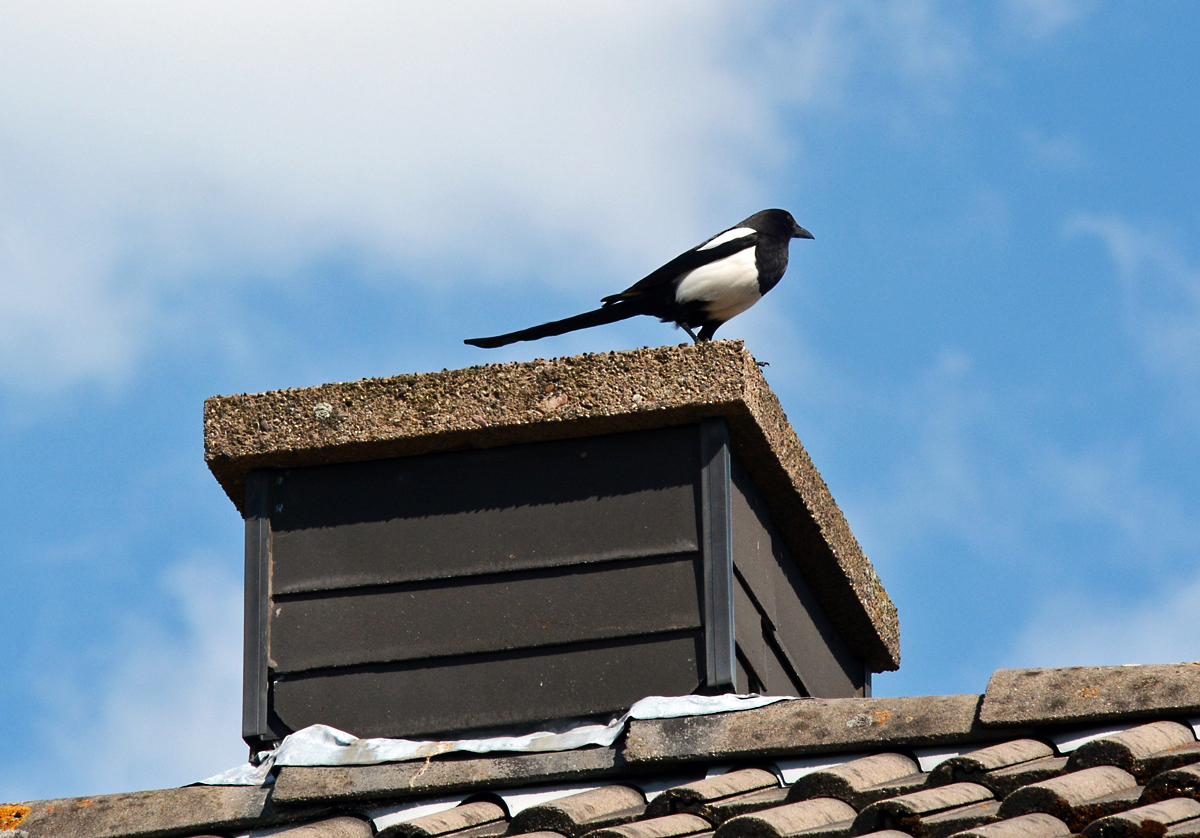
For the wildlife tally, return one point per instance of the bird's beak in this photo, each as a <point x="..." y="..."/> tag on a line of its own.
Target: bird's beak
<point x="801" y="233"/>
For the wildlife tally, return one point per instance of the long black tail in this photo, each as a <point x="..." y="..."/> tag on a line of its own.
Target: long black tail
<point x="608" y="314"/>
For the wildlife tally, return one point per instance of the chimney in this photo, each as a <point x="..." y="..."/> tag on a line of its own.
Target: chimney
<point x="507" y="546"/>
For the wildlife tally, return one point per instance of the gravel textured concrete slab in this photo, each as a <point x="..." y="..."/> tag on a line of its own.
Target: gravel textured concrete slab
<point x="812" y="726"/>
<point x="1091" y="693"/>
<point x="169" y="812"/>
<point x="296" y="786"/>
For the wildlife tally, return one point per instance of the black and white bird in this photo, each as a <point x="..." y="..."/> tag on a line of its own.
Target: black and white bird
<point x="699" y="289"/>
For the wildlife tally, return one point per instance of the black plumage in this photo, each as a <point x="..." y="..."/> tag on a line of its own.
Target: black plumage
<point x="700" y="289"/>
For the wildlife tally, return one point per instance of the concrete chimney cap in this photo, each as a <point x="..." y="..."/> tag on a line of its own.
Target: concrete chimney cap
<point x="565" y="398"/>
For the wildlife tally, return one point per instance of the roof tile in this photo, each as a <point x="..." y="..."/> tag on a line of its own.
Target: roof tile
<point x="1035" y="825"/>
<point x="1003" y="781"/>
<point x="954" y="821"/>
<point x="1129" y="748"/>
<point x="722" y="810"/>
<point x="670" y="826"/>
<point x="971" y="767"/>
<point x="1166" y="760"/>
<point x="722" y="797"/>
<point x="1185" y="829"/>
<point x="691" y="796"/>
<point x="342" y="827"/>
<point x="907" y="811"/>
<point x="789" y="819"/>
<point x="1073" y="798"/>
<point x="1110" y="804"/>
<point x="578" y="814"/>
<point x="1144" y="821"/>
<point x="1178" y="782"/>
<point x="470" y="820"/>
<point x="850" y="781"/>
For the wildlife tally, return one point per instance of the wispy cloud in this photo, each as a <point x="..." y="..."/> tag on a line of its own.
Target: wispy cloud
<point x="167" y="710"/>
<point x="1072" y="630"/>
<point x="1043" y="18"/>
<point x="1160" y="292"/>
<point x="157" y="157"/>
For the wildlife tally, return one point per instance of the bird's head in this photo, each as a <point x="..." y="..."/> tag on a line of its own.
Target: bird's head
<point x="776" y="222"/>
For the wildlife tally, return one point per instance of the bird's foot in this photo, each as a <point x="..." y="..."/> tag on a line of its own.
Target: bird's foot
<point x="763" y="363"/>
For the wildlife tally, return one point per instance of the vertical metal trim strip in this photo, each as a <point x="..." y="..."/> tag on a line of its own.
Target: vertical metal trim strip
<point x="255" y="672"/>
<point x="716" y="511"/>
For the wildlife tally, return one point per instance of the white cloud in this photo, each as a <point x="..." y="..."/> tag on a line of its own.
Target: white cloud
<point x="1055" y="151"/>
<point x="167" y="711"/>
<point x="149" y="146"/>
<point x="1160" y="290"/>
<point x="1043" y="18"/>
<point x="154" y="155"/>
<point x="1072" y="630"/>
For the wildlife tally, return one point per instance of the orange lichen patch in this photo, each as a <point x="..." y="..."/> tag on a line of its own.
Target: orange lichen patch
<point x="881" y="716"/>
<point x="83" y="804"/>
<point x="1087" y="692"/>
<point x="11" y="816"/>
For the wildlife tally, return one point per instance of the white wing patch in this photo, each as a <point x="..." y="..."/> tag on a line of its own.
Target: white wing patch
<point x="729" y="285"/>
<point x="727" y="236"/>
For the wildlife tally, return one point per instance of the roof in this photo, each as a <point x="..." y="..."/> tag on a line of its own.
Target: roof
<point x="564" y="398"/>
<point x="1109" y="752"/>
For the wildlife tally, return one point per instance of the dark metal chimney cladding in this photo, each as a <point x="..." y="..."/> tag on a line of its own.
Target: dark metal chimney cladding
<point x="503" y="547"/>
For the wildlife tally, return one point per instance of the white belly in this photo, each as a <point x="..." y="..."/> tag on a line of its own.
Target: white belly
<point x="729" y="286"/>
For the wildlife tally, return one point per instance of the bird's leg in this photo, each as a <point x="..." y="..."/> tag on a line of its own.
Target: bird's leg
<point x="691" y="334"/>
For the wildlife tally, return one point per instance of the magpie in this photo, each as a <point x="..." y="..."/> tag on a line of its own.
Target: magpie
<point x="701" y="288"/>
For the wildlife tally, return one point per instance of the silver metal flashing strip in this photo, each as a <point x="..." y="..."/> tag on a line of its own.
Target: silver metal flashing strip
<point x="716" y="510"/>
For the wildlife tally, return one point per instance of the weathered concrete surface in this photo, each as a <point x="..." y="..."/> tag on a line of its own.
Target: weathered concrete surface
<point x="1090" y="693"/>
<point x="298" y="786"/>
<point x="158" y="814"/>
<point x="584" y="395"/>
<point x="813" y="725"/>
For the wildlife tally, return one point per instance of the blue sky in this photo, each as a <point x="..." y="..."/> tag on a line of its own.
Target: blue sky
<point x="991" y="349"/>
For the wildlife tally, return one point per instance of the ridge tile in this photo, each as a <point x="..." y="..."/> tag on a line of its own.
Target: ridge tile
<point x="1090" y="693"/>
